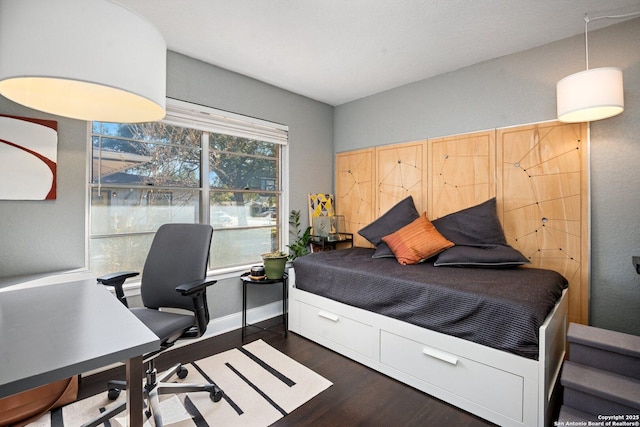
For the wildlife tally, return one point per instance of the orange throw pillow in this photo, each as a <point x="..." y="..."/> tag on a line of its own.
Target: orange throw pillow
<point x="416" y="241"/>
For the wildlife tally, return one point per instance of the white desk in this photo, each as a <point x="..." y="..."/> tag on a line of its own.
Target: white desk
<point x="55" y="331"/>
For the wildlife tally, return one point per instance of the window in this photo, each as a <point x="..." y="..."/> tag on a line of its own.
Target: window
<point x="197" y="165"/>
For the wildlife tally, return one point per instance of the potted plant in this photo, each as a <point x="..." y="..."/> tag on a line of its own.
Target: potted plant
<point x="300" y="245"/>
<point x="274" y="264"/>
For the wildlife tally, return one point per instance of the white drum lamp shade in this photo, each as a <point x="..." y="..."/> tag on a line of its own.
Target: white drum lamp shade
<point x="590" y="95"/>
<point x="84" y="59"/>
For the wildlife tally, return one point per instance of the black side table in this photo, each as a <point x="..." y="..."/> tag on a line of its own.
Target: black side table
<point x="331" y="242"/>
<point x="246" y="280"/>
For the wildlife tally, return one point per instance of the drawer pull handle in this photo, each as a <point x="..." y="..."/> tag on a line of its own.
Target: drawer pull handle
<point x="440" y="355"/>
<point x="329" y="316"/>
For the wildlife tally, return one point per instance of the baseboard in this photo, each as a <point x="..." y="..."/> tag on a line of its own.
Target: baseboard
<point x="233" y="321"/>
<point x="219" y="326"/>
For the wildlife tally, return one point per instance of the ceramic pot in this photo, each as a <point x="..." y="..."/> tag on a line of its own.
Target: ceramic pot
<point x="274" y="266"/>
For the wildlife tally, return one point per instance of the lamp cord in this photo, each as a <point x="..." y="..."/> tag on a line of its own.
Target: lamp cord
<point x="586" y="28"/>
<point x="586" y="41"/>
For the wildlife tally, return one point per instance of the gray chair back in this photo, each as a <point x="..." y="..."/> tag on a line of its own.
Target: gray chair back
<point x="179" y="254"/>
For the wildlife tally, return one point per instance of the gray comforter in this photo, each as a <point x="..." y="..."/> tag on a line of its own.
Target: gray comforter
<point x="499" y="308"/>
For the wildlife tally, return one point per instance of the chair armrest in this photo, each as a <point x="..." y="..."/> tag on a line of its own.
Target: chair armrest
<point x="113" y="278"/>
<point x="192" y="288"/>
<point x="197" y="290"/>
<point x="117" y="280"/>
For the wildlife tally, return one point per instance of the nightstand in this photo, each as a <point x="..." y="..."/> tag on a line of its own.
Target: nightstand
<point x="248" y="282"/>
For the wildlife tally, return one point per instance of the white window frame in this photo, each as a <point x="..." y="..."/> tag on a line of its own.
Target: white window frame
<point x="185" y="114"/>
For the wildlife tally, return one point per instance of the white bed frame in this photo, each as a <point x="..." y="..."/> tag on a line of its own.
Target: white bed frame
<point x="501" y="387"/>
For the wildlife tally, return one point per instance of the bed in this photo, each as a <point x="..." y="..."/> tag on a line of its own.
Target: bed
<point x="488" y="340"/>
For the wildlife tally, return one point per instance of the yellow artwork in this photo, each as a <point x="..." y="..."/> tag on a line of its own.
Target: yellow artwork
<point x="320" y="205"/>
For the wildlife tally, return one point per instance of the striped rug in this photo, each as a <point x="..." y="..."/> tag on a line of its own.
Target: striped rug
<point x="261" y="385"/>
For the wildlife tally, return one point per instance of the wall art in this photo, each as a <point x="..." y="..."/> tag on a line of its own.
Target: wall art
<point x="28" y="158"/>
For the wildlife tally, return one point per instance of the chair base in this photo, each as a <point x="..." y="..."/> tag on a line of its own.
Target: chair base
<point x="152" y="391"/>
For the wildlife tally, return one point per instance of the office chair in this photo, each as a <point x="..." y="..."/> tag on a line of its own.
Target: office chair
<point x="173" y="277"/>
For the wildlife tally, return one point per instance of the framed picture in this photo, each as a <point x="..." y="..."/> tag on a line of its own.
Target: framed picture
<point x="28" y="158"/>
<point x="320" y="205"/>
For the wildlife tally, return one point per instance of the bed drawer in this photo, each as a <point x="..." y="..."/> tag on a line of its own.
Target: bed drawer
<point x="338" y="328"/>
<point x="492" y="388"/>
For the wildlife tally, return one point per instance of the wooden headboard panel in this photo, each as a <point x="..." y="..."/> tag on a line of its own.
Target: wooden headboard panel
<point x="538" y="173"/>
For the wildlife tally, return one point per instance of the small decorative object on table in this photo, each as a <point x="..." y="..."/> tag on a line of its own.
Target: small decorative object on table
<point x="337" y="228"/>
<point x="274" y="264"/>
<point x="257" y="273"/>
<point x="321" y="209"/>
<point x="322" y="225"/>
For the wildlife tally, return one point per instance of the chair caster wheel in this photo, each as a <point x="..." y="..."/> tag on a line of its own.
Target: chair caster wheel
<point x="216" y="395"/>
<point x="182" y="372"/>
<point x="113" y="393"/>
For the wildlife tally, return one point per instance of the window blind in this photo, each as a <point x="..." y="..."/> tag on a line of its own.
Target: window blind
<point x="218" y="121"/>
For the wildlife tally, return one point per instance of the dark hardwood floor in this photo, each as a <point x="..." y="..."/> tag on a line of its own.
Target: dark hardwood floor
<point x="359" y="396"/>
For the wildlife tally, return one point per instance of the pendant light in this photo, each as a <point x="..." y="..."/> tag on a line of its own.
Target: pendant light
<point x="593" y="94"/>
<point x="84" y="59"/>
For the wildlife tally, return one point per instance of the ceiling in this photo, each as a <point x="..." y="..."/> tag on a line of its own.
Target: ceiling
<point x="336" y="51"/>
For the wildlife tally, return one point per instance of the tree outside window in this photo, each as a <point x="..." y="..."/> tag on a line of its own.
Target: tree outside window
<point x="148" y="174"/>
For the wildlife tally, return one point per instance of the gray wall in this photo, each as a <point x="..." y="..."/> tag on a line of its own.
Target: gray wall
<point x="43" y="236"/>
<point x="310" y="143"/>
<point x="520" y="89"/>
<point x="516" y="89"/>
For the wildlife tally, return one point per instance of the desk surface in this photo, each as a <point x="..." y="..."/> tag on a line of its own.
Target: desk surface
<point x="55" y="331"/>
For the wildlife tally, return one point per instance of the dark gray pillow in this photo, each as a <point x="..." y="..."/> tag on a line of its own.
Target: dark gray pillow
<point x="475" y="226"/>
<point x="497" y="256"/>
<point x="383" y="251"/>
<point x="402" y="213"/>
